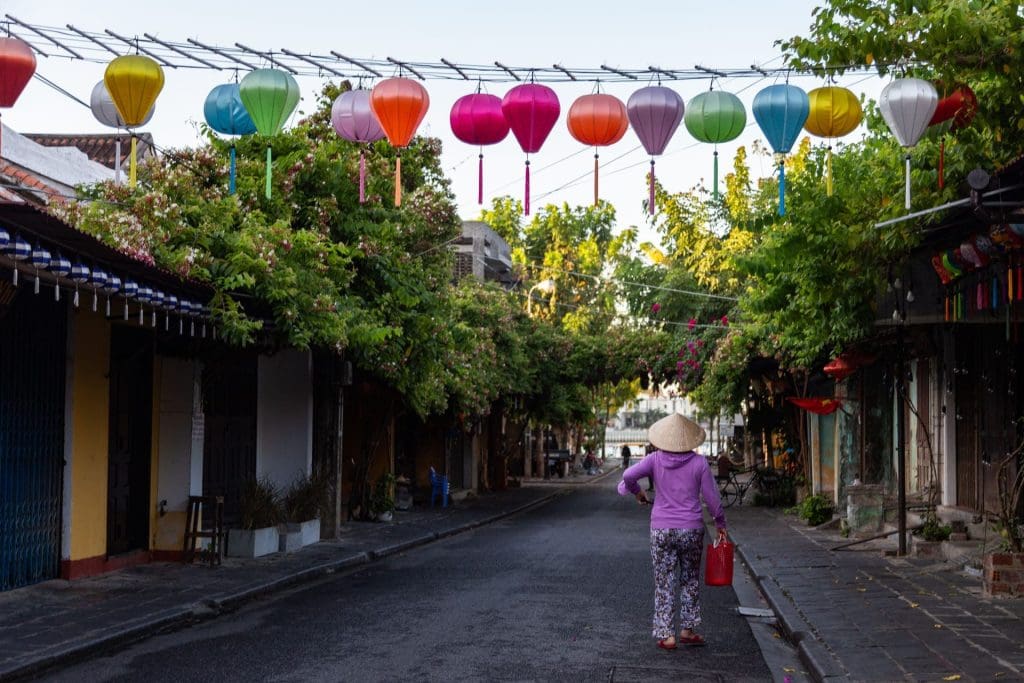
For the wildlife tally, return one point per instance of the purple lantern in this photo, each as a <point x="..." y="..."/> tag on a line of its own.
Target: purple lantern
<point x="477" y="119"/>
<point x="354" y="120"/>
<point x="655" y="113"/>
<point x="531" y="110"/>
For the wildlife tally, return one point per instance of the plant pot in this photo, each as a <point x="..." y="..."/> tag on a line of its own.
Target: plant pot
<point x="290" y="538"/>
<point x="252" y="542"/>
<point x="310" y="532"/>
<point x="385" y="516"/>
<point x="1003" y="575"/>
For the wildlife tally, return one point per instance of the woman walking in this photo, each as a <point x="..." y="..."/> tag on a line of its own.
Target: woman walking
<point x="677" y="525"/>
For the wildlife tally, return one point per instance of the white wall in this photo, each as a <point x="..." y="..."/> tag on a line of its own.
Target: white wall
<point x="174" y="473"/>
<point x="284" y="416"/>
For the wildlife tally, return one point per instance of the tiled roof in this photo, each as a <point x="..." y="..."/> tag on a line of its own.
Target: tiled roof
<point x="29" y="181"/>
<point x="101" y="148"/>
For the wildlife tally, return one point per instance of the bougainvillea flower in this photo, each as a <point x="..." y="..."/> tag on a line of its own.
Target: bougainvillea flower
<point x="655" y="308"/>
<point x="725" y="320"/>
<point x="692" y="324"/>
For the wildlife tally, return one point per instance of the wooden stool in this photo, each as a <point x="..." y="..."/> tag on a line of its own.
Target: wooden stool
<point x="197" y="527"/>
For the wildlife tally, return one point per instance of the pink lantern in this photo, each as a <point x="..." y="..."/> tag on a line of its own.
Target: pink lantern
<point x="354" y="120"/>
<point x="477" y="120"/>
<point x="531" y="110"/>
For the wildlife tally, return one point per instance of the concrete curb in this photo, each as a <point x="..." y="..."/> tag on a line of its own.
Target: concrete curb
<point x="178" y="617"/>
<point x="821" y="664"/>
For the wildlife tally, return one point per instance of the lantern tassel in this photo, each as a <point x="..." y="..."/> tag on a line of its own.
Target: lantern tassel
<point x="126" y="308"/>
<point x="117" y="160"/>
<point x="108" y="306"/>
<point x="946" y="305"/>
<point x="132" y="162"/>
<point x="828" y="172"/>
<point x="56" y="291"/>
<point x="14" y="277"/>
<point x="596" y="164"/>
<point x="362" y="176"/>
<point x="269" y="161"/>
<point x="907" y="190"/>
<point x="398" y="180"/>
<point x="35" y="289"/>
<point x="526" y="191"/>
<point x="232" y="171"/>
<point x="95" y="300"/>
<point x="714" y="191"/>
<point x="650" y="200"/>
<point x="942" y="162"/>
<point x="782" y="186"/>
<point x="480" y="180"/>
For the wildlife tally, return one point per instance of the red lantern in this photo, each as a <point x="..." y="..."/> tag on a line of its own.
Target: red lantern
<point x="477" y="120"/>
<point x="17" y="65"/>
<point x="839" y="368"/>
<point x="531" y="110"/>
<point x="399" y="105"/>
<point x="956" y="110"/>
<point x="599" y="120"/>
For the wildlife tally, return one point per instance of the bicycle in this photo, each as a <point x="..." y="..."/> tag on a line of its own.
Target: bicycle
<point x="732" y="489"/>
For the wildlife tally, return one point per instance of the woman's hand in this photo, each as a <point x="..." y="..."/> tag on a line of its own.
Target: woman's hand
<point x="723" y="536"/>
<point x="642" y="498"/>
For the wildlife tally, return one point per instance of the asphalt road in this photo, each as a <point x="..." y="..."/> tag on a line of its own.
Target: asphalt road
<point x="561" y="592"/>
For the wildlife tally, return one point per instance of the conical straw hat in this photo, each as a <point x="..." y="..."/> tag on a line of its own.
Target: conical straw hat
<point x="676" y="434"/>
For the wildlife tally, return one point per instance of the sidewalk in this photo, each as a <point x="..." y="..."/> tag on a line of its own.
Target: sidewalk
<point x="58" y="621"/>
<point x="858" y="615"/>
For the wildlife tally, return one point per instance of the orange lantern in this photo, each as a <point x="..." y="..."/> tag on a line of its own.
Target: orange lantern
<point x="399" y="105"/>
<point x="599" y="120"/>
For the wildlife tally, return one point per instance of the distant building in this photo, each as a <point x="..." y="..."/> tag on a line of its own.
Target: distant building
<point x="101" y="148"/>
<point x="482" y="253"/>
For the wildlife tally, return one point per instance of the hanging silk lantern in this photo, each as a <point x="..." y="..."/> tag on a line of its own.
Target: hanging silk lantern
<point x="399" y="105"/>
<point x="60" y="267"/>
<point x="112" y="287"/>
<point x="270" y="96"/>
<point x="144" y="296"/>
<point x="80" y="276"/>
<point x="477" y="119"/>
<point x="531" y="110"/>
<point x="5" y="238"/>
<point x="353" y="119"/>
<point x="715" y="117"/>
<point x="97" y="280"/>
<point x="780" y="111"/>
<point x="953" y="112"/>
<point x="157" y="300"/>
<point x="655" y="113"/>
<point x="225" y="113"/>
<point x="40" y="261"/>
<point x="907" y="105"/>
<point x="130" y="289"/>
<point x="171" y="306"/>
<point x="17" y="66"/>
<point x="134" y="82"/>
<point x="834" y="112"/>
<point x="105" y="111"/>
<point x="17" y="249"/>
<point x="598" y="120"/>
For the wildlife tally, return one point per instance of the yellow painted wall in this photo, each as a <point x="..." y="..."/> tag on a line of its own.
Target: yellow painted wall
<point x="90" y="407"/>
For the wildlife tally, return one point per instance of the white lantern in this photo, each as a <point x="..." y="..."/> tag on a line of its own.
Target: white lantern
<point x="907" y="105"/>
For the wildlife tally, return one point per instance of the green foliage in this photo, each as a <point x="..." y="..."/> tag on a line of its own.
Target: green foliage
<point x="382" y="499"/>
<point x="932" y="530"/>
<point x="816" y="509"/>
<point x="260" y="505"/>
<point x="308" y="497"/>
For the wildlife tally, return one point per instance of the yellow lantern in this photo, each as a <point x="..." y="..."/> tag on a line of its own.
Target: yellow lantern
<point x="835" y="112"/>
<point x="134" y="82"/>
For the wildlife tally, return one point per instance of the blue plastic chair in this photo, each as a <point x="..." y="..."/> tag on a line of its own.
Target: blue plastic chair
<point x="438" y="486"/>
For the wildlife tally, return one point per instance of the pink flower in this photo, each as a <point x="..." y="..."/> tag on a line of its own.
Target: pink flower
<point x="692" y="324"/>
<point x="725" y="320"/>
<point x="655" y="308"/>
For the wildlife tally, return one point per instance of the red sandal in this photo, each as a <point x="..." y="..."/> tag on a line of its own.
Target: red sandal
<point x="696" y="639"/>
<point x="666" y="646"/>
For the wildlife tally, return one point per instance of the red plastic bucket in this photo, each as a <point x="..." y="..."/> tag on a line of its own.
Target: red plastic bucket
<point x="718" y="570"/>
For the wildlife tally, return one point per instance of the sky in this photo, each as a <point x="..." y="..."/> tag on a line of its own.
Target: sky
<point x="678" y="34"/>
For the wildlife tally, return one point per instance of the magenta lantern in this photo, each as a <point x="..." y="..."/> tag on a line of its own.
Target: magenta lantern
<point x="354" y="120"/>
<point x="477" y="120"/>
<point x="531" y="110"/>
<point x="655" y="113"/>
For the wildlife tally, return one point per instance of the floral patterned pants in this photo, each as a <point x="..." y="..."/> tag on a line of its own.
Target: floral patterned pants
<point x="675" y="554"/>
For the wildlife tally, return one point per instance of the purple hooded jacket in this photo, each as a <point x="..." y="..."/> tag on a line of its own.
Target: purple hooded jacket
<point x="680" y="481"/>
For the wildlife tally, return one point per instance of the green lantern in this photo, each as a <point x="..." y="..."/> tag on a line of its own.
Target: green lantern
<point x="714" y="117"/>
<point x="270" y="96"/>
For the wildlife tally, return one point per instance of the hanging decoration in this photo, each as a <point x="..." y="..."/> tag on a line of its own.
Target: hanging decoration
<point x="97" y="280"/>
<point x="17" y="66"/>
<point x="531" y="110"/>
<point x="598" y="120"/>
<point x="130" y="291"/>
<point x="952" y="113"/>
<point x="715" y="117"/>
<point x="144" y="296"/>
<point x="655" y="113"/>
<point x="134" y="82"/>
<point x="907" y="105"/>
<point x="399" y="105"/>
<point x="112" y="287"/>
<point x="270" y="96"/>
<point x="225" y="113"/>
<point x="5" y="238"/>
<point x="170" y="306"/>
<point x="105" y="111"/>
<point x="477" y="119"/>
<point x="80" y="276"/>
<point x="40" y="261"/>
<point x="781" y="111"/>
<point x="818" y="406"/>
<point x="61" y="268"/>
<point x="353" y="119"/>
<point x="17" y="249"/>
<point x="834" y="112"/>
<point x="158" y="302"/>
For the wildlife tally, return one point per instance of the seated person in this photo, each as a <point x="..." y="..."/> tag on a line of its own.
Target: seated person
<point x="589" y="464"/>
<point x="725" y="466"/>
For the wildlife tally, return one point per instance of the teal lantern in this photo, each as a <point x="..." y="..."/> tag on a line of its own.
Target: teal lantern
<point x="781" y="111"/>
<point x="226" y="114"/>
<point x="715" y="116"/>
<point x="270" y="96"/>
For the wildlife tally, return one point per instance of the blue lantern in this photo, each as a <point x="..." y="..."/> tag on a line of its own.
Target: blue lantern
<point x="112" y="287"/>
<point x="226" y="114"/>
<point x="144" y="296"/>
<point x="98" y="280"/>
<point x="19" y="250"/>
<point x="130" y="289"/>
<point x="80" y="276"/>
<point x="5" y="238"/>
<point x="781" y="111"/>
<point x="40" y="259"/>
<point x="60" y="267"/>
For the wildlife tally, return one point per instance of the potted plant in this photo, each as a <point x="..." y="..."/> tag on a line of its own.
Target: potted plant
<point x="261" y="512"/>
<point x="1004" y="567"/>
<point x="382" y="501"/>
<point x="927" y="541"/>
<point x="305" y="501"/>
